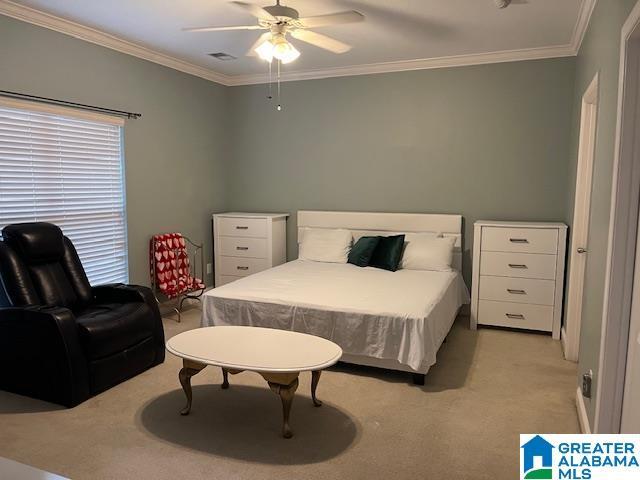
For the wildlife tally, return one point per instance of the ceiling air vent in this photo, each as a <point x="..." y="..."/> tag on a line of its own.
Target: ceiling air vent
<point x="222" y="56"/>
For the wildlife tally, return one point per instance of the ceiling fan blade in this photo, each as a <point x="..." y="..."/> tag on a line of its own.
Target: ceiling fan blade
<point x="331" y="19"/>
<point x="261" y="39"/>
<point x="255" y="10"/>
<point x="321" y="41"/>
<point x="221" y="29"/>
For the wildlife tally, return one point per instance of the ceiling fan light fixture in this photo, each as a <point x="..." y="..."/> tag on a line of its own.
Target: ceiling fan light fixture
<point x="265" y="51"/>
<point x="286" y="55"/>
<point x="283" y="50"/>
<point x="278" y="47"/>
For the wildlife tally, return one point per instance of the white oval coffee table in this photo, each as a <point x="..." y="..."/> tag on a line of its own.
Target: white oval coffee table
<point x="278" y="355"/>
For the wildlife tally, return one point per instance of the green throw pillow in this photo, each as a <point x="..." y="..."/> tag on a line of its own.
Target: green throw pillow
<point x="362" y="251"/>
<point x="388" y="253"/>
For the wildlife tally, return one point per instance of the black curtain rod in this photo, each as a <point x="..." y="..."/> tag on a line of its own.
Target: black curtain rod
<point x="64" y="103"/>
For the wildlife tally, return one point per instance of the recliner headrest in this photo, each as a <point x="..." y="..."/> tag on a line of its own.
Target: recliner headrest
<point x="35" y="242"/>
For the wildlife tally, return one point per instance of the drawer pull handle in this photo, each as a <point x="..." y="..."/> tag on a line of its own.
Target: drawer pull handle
<point x="241" y="227"/>
<point x="242" y="248"/>
<point x="518" y="240"/>
<point x="517" y="265"/>
<point x="516" y="291"/>
<point x="242" y="268"/>
<point x="515" y="316"/>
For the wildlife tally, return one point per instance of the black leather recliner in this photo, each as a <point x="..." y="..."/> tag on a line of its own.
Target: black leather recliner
<point x="62" y="340"/>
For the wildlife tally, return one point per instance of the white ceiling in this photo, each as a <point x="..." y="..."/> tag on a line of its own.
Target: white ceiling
<point x="398" y="31"/>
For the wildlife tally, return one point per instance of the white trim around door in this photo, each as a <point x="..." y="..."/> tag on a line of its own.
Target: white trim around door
<point x="583" y="419"/>
<point x="581" y="214"/>
<point x="622" y="236"/>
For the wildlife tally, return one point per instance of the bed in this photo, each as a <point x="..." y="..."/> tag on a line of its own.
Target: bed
<point x="393" y="320"/>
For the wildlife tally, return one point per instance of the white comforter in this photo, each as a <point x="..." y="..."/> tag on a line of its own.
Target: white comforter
<point x="403" y="315"/>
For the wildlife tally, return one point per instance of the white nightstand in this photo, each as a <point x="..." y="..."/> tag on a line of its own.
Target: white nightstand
<point x="247" y="243"/>
<point x="518" y="275"/>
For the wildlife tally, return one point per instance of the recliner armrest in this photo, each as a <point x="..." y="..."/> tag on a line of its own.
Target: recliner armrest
<point x="117" y="293"/>
<point x="41" y="354"/>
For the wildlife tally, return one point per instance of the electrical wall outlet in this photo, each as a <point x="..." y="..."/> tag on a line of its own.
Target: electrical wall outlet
<point x="586" y="384"/>
<point x="208" y="269"/>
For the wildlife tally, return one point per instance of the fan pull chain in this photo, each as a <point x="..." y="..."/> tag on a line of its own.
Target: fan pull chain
<point x="269" y="94"/>
<point x="279" y="107"/>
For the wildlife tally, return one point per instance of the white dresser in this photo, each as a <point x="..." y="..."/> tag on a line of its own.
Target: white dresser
<point x="247" y="243"/>
<point x="518" y="275"/>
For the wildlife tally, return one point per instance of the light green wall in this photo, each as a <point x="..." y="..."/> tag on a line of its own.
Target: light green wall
<point x="485" y="141"/>
<point x="488" y="142"/>
<point x="600" y="52"/>
<point x="175" y="155"/>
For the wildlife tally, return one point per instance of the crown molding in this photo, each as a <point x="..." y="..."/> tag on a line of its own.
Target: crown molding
<point x="88" y="34"/>
<point x="580" y="28"/>
<point x="58" y="24"/>
<point x="420" y="64"/>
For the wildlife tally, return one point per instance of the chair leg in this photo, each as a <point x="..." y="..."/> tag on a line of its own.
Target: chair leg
<point x="179" y="310"/>
<point x="181" y="302"/>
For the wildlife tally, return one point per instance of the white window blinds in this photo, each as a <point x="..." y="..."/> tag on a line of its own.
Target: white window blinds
<point x="65" y="167"/>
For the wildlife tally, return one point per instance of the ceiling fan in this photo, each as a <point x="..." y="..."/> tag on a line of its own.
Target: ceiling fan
<point x="280" y="20"/>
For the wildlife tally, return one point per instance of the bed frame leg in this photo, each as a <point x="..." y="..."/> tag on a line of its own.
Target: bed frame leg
<point x="418" y="378"/>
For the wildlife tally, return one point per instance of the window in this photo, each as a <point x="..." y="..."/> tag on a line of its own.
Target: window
<point x="65" y="167"/>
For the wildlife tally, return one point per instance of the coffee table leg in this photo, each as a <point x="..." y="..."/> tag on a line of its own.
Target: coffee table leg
<point x="286" y="393"/>
<point x="225" y="379"/>
<point x="189" y="369"/>
<point x="315" y="378"/>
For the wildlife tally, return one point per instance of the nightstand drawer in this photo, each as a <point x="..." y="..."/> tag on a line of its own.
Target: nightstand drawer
<point x="242" y="227"/>
<point x="522" y="240"/>
<point x="243" y="247"/>
<point x="241" y="267"/>
<point x="523" y="265"/>
<point x="515" y="315"/>
<point x="517" y="290"/>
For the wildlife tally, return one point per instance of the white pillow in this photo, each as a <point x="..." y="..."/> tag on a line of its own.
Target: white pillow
<point x="325" y="245"/>
<point x="428" y="252"/>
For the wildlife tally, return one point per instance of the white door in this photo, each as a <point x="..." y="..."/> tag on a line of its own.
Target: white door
<point x="619" y="339"/>
<point x="580" y="227"/>
<point x="630" y="421"/>
<point x="631" y="401"/>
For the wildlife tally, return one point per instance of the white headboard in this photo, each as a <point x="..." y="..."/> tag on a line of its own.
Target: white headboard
<point x="369" y="223"/>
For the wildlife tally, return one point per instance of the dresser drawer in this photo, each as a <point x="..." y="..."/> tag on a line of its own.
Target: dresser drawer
<point x="522" y="240"/>
<point x="517" y="290"/>
<point x="242" y="227"/>
<point x="524" y="265"/>
<point x="241" y="267"/>
<point x="243" y="247"/>
<point x="515" y="315"/>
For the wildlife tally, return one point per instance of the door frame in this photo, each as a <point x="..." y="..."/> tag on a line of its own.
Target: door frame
<point x="623" y="226"/>
<point x="581" y="211"/>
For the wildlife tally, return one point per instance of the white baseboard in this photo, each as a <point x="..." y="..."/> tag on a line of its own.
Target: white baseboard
<point x="583" y="419"/>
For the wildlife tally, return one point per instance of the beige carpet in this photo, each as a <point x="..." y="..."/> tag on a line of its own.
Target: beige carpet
<point x="487" y="387"/>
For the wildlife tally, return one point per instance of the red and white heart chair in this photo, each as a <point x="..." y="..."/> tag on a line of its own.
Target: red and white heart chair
<point x="172" y="272"/>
